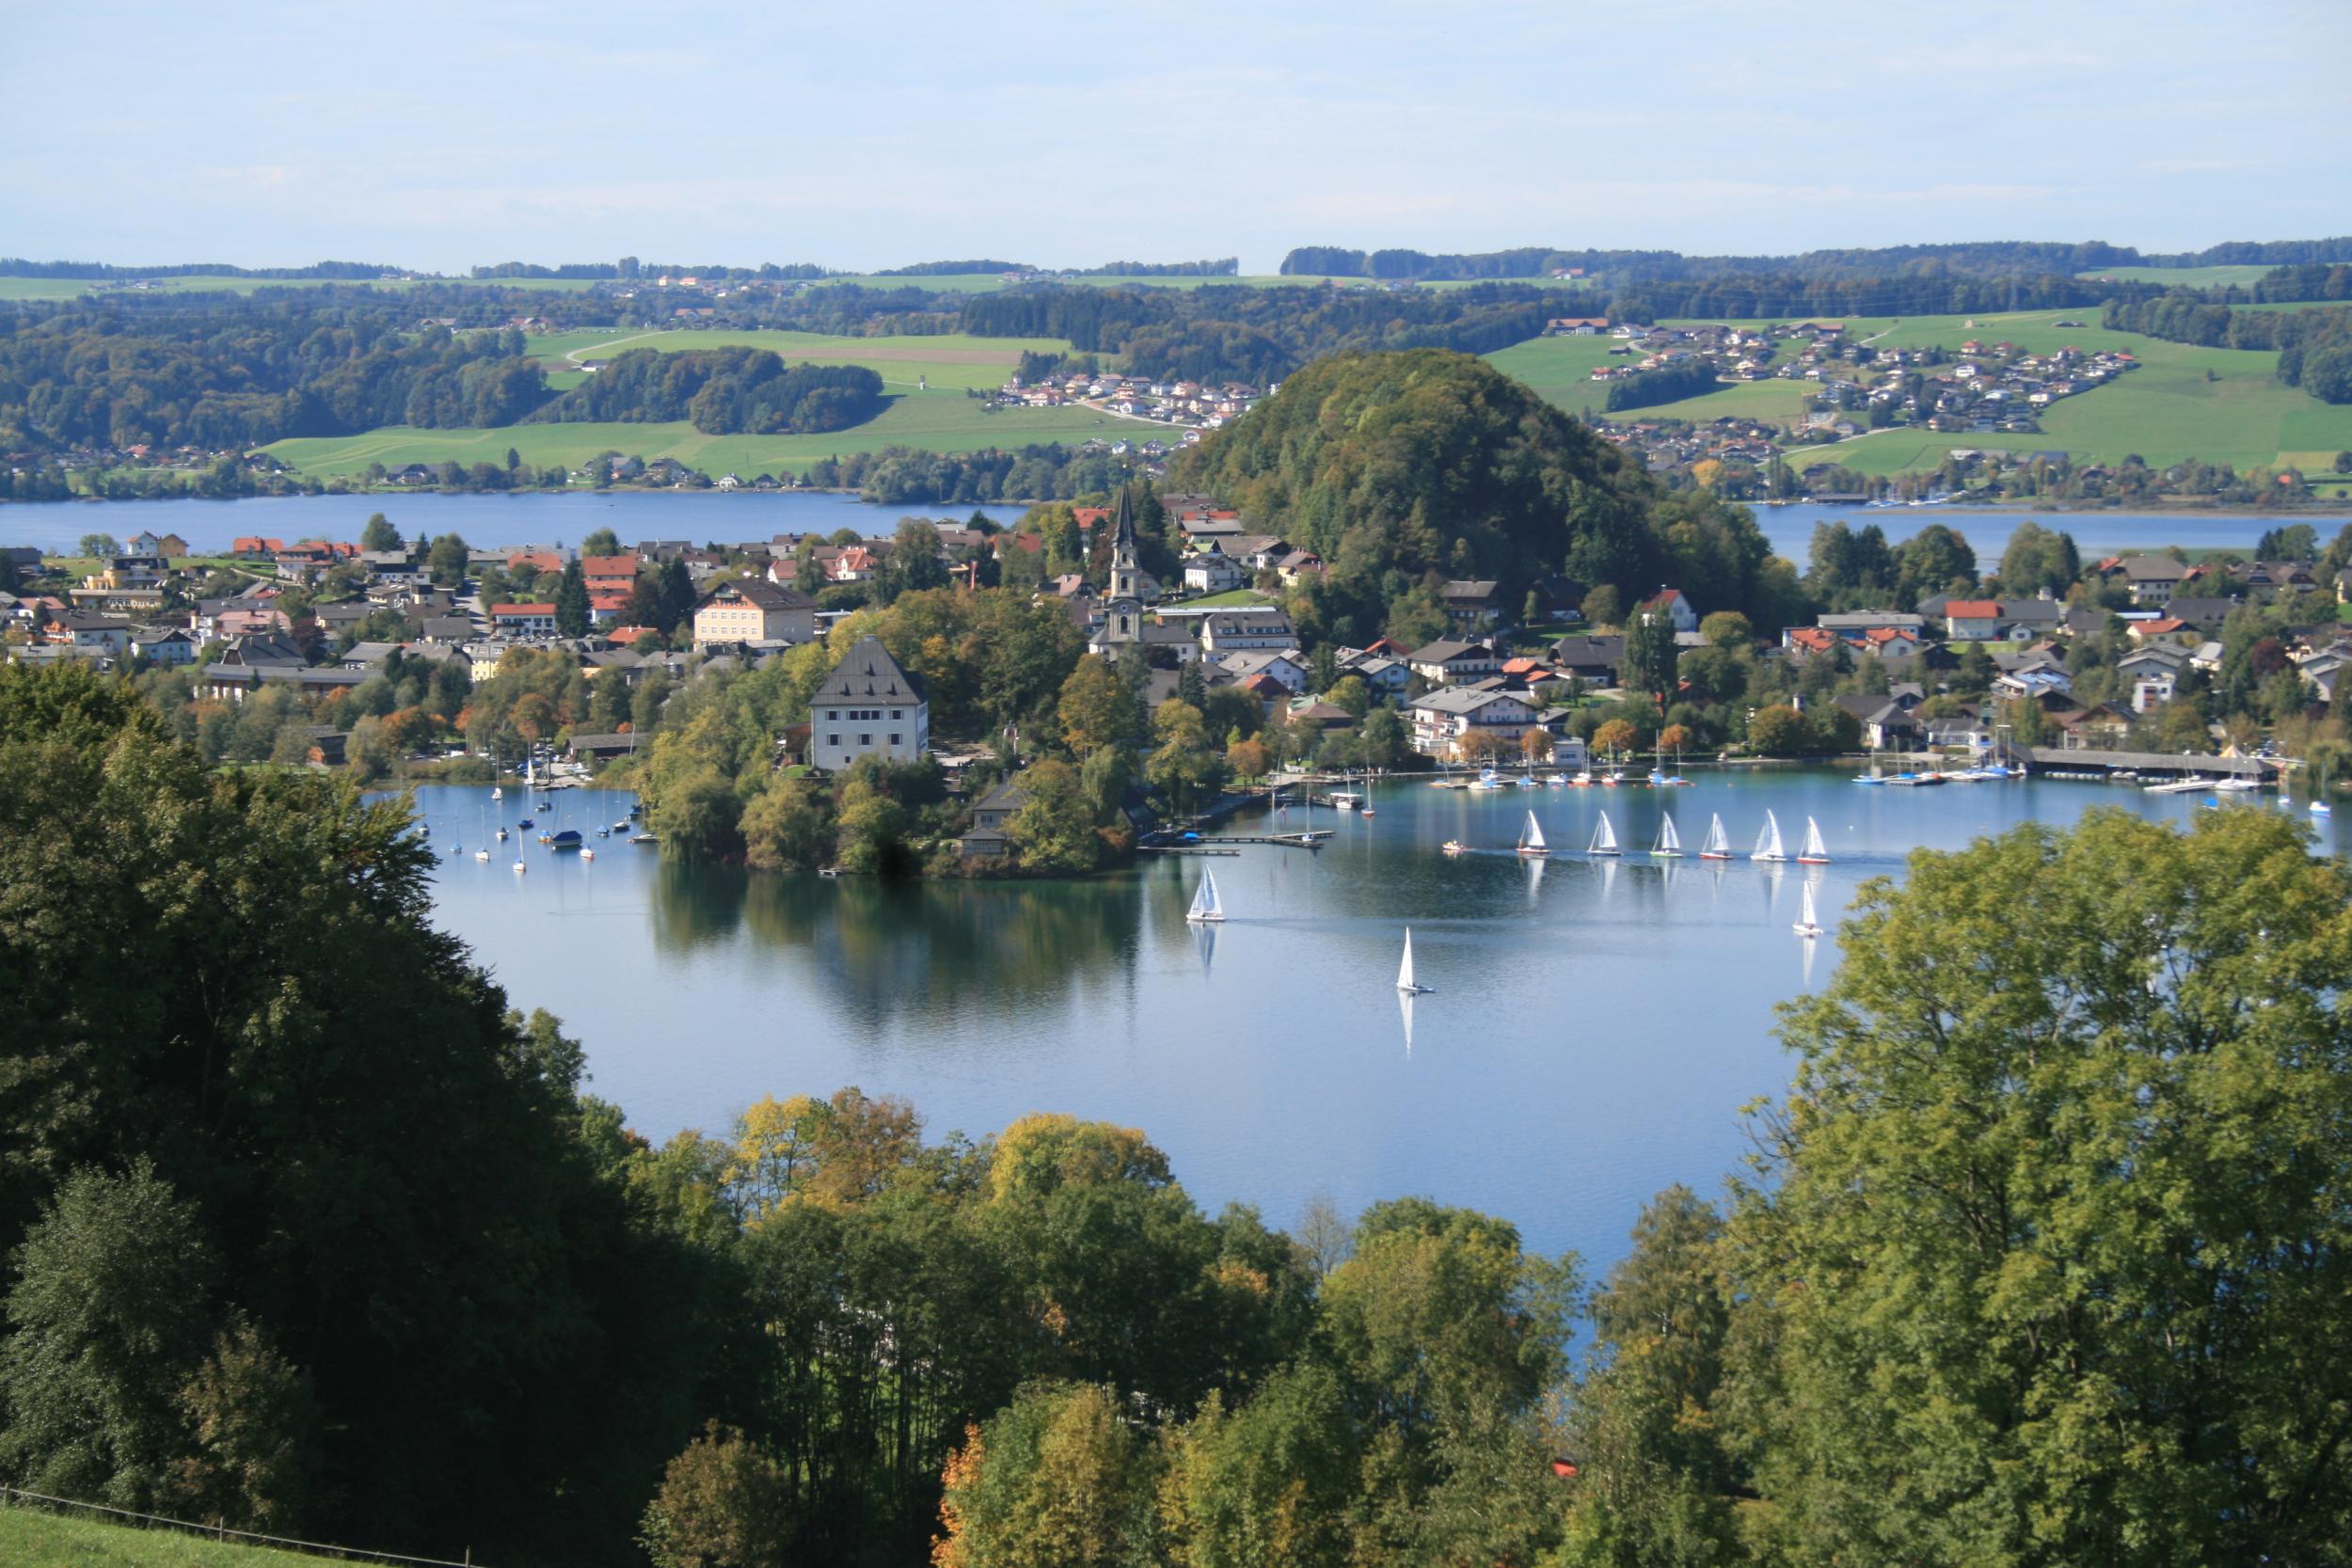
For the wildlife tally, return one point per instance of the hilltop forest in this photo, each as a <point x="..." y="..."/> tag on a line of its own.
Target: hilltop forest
<point x="312" y="1230"/>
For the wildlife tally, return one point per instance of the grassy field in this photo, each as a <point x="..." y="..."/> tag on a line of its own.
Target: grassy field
<point x="936" y="420"/>
<point x="34" y="1540"/>
<point x="2167" y="410"/>
<point x="949" y="360"/>
<point x="2183" y="277"/>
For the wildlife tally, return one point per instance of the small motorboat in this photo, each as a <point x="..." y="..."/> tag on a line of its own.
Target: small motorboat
<point x="521" y="866"/>
<point x="587" y="854"/>
<point x="642" y="838"/>
<point x="622" y="826"/>
<point x="1454" y="846"/>
<point x="481" y="855"/>
<point x="526" y="822"/>
<point x="829" y="872"/>
<point x="501" y="836"/>
<point x="567" y="839"/>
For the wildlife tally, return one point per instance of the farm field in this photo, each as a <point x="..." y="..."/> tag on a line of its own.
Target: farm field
<point x="1560" y="370"/>
<point x="2185" y="277"/>
<point x="938" y="421"/>
<point x="951" y="361"/>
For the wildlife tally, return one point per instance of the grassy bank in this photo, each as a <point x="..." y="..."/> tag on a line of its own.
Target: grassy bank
<point x="29" y="1539"/>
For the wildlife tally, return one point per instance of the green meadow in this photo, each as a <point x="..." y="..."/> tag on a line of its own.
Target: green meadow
<point x="34" y="1540"/>
<point x="938" y="421"/>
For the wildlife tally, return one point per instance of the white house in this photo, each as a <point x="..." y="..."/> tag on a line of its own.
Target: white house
<point x="1212" y="571"/>
<point x="1246" y="631"/>
<point x="1443" y="720"/>
<point x="867" y="707"/>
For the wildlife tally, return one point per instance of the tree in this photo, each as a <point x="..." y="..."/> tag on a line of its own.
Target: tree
<point x="256" y="1426"/>
<point x="1727" y="629"/>
<point x="1247" y="759"/>
<point x="722" y="1504"/>
<point x="2103" y="1069"/>
<point x="1613" y="736"/>
<point x="571" y="602"/>
<point x="913" y="563"/>
<point x="1535" y="745"/>
<point x="1780" y="730"/>
<point x="98" y="545"/>
<point x="1096" y="710"/>
<point x="788" y="826"/>
<point x="1645" y="1422"/>
<point x="1269" y="1483"/>
<point x="600" y="541"/>
<point x="1650" y="655"/>
<point x="1054" y="830"/>
<point x="1675" y="737"/>
<point x="1384" y="737"/>
<point x="379" y="534"/>
<point x="1603" y="607"/>
<point x="1350" y="693"/>
<point x="1055" y="1479"/>
<point x="447" y="561"/>
<point x="109" y="1319"/>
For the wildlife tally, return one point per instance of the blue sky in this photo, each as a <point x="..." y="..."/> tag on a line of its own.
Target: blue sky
<point x="882" y="131"/>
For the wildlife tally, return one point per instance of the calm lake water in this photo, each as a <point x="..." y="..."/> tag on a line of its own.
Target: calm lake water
<point x="706" y="517"/>
<point x="1594" y="1027"/>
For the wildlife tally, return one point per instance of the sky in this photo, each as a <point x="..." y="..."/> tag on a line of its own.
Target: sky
<point x="883" y="132"/>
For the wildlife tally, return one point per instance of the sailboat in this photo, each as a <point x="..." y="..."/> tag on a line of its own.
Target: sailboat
<point x="1205" y="908"/>
<point x="1807" y="926"/>
<point x="1815" y="853"/>
<point x="1768" y="844"/>
<point x="1604" y="838"/>
<point x="1531" y="838"/>
<point x="1718" y="842"/>
<point x="1669" y="845"/>
<point x="1405" y="981"/>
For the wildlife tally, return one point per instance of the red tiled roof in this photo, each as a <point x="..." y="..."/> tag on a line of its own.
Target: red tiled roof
<point x="499" y="610"/>
<point x="1973" y="610"/>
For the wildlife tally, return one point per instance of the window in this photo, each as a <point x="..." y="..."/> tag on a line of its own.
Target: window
<point x="832" y="714"/>
<point x="893" y="738"/>
<point x="833" y="740"/>
<point x="866" y="740"/>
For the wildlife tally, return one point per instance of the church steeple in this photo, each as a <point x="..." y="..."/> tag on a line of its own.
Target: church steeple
<point x="1126" y="567"/>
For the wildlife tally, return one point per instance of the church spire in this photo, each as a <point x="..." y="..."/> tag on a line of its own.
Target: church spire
<point x="1123" y="531"/>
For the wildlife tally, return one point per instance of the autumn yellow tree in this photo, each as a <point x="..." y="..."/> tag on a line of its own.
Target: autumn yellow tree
<point x="1614" y="737"/>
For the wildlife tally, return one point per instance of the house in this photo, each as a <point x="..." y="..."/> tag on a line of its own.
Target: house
<point x="867" y="707"/>
<point x="2205" y="614"/>
<point x="1212" y="571"/>
<point x="754" y="610"/>
<point x="2024" y="619"/>
<point x="2154" y="674"/>
<point x="1594" y="660"/>
<point x="1888" y="724"/>
<point x="1472" y="602"/>
<point x="1972" y="620"/>
<point x="1386" y="677"/>
<point x="524" y="620"/>
<point x="608" y="573"/>
<point x="2103" y="727"/>
<point x="1444" y="719"/>
<point x="1449" y="661"/>
<point x="168" y="646"/>
<point x="1244" y="632"/>
<point x="1676" y="606"/>
<point x="990" y="833"/>
<point x="2152" y="578"/>
<point x="1287" y="667"/>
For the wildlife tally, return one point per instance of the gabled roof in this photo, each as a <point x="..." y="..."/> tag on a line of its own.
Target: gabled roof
<point x="868" y="670"/>
<point x="760" y="593"/>
<point x="1973" y="610"/>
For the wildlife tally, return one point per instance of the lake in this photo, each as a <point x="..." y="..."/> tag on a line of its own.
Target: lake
<point x="566" y="517"/>
<point x="1594" y="1030"/>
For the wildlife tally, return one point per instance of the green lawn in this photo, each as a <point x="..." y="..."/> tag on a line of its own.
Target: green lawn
<point x="1232" y="597"/>
<point x="953" y="360"/>
<point x="943" y="420"/>
<point x="1560" y="370"/>
<point x="34" y="1540"/>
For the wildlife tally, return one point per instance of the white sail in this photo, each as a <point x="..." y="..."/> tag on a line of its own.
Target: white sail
<point x="1809" y="924"/>
<point x="1533" y="837"/>
<point x="1204" y="900"/>
<point x="1405" y="981"/>
<point x="1768" y="844"/>
<point x="1718" y="842"/>
<point x="1814" y="848"/>
<point x="1669" y="842"/>
<point x="1604" y="838"/>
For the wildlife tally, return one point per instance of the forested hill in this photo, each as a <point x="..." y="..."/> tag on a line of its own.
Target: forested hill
<point x="1405" y="469"/>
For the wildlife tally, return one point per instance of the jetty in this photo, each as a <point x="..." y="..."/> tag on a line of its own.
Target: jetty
<point x="2057" y="761"/>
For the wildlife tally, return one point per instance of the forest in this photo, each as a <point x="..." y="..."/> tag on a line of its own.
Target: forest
<point x="723" y="391"/>
<point x="2315" y="347"/>
<point x="2001" y="257"/>
<point x="2042" y="1260"/>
